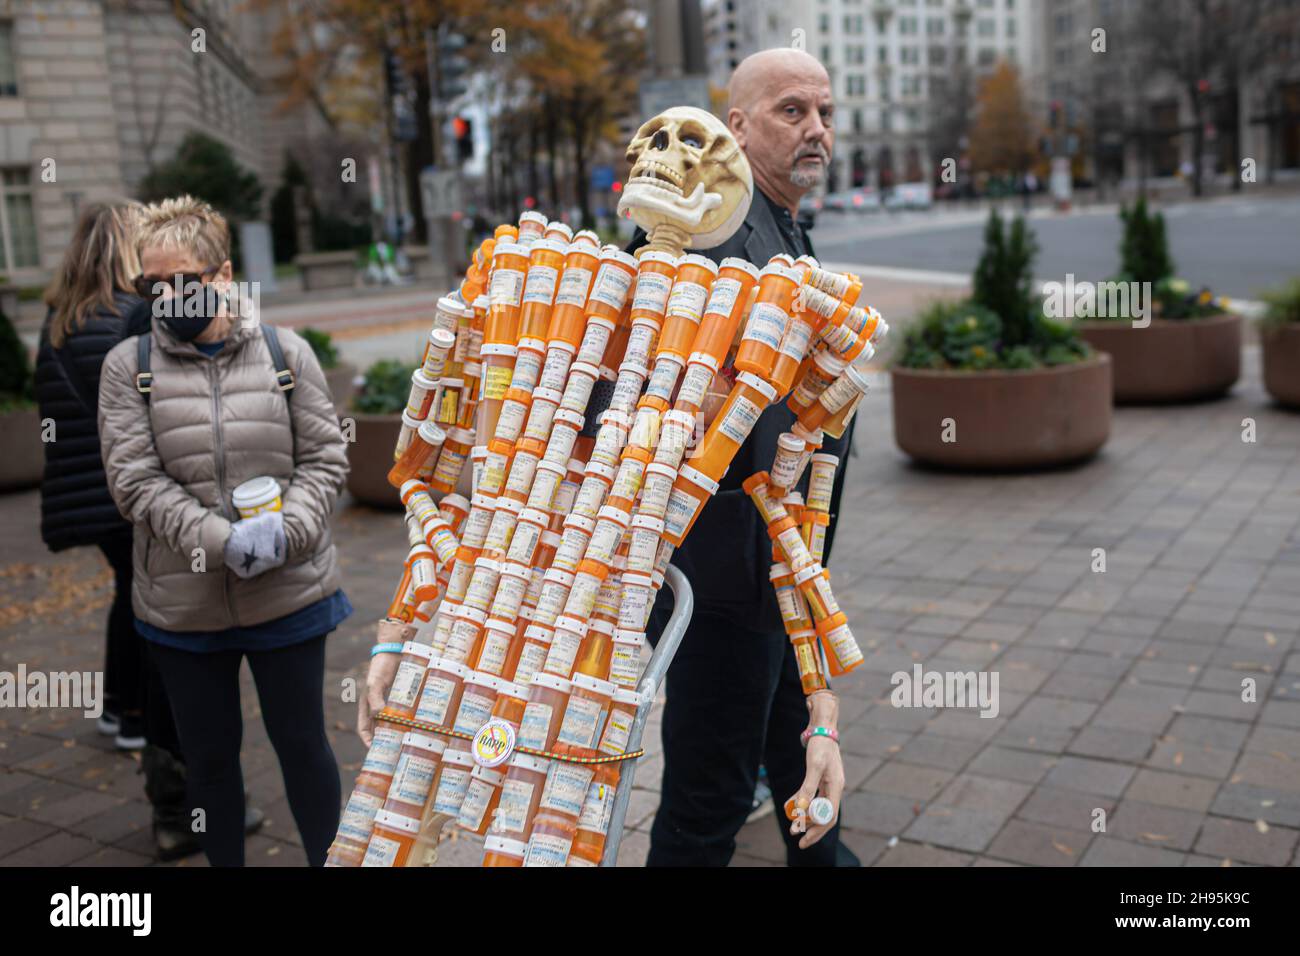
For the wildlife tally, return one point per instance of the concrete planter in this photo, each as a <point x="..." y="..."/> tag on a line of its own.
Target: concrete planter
<point x="424" y="268"/>
<point x="340" y="380"/>
<point x="1035" y="418"/>
<point x="1171" y="360"/>
<point x="370" y="457"/>
<point x="1280" y="351"/>
<point x="327" y="270"/>
<point x="22" y="461"/>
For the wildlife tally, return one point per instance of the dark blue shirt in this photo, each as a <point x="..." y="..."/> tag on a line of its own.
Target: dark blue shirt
<point x="302" y="625"/>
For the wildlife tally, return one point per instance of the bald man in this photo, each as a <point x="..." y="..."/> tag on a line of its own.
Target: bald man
<point x="734" y="701"/>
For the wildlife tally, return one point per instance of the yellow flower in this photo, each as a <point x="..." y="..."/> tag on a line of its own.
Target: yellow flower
<point x="1205" y="297"/>
<point x="978" y="351"/>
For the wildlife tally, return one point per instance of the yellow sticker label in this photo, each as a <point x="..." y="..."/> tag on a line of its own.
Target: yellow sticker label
<point x="496" y="382"/>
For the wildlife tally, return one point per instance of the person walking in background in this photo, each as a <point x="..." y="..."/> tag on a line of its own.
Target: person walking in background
<point x="92" y="307"/>
<point x="202" y="403"/>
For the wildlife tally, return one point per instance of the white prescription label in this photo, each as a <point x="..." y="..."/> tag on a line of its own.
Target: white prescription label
<point x="540" y="286"/>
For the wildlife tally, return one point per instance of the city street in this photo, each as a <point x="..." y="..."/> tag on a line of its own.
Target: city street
<point x="1237" y="246"/>
<point x="1120" y="691"/>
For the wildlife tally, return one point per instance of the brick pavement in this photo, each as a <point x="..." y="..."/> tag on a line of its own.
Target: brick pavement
<point x="1120" y="691"/>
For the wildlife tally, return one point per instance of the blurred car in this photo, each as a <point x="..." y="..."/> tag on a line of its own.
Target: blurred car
<point x="809" y="207"/>
<point x="910" y="196"/>
<point x="862" y="199"/>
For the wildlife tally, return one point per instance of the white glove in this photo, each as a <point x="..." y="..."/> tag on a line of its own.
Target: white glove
<point x="256" y="544"/>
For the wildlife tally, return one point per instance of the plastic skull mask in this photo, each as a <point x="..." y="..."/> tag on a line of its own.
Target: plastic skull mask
<point x="689" y="172"/>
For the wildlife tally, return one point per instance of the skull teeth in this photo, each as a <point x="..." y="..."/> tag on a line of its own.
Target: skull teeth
<point x="650" y="171"/>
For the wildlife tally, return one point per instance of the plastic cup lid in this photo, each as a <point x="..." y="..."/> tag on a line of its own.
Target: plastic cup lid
<point x="703" y="262"/>
<point x="257" y="491"/>
<point x="743" y="265"/>
<point x="756" y="383"/>
<point x="594" y="684"/>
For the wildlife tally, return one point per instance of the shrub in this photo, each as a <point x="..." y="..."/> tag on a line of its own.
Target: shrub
<point x="386" y="388"/>
<point x="322" y="345"/>
<point x="1003" y="280"/>
<point x="1144" y="250"/>
<point x="1282" y="304"/>
<point x="15" y="370"/>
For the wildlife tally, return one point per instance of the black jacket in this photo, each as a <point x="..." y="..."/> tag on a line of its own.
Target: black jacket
<point x="727" y="556"/>
<point x="75" y="504"/>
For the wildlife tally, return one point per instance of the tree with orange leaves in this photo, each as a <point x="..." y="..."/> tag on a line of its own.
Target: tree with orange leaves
<point x="1001" y="139"/>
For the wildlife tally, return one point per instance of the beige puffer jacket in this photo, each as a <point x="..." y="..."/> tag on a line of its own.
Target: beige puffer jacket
<point x="172" y="464"/>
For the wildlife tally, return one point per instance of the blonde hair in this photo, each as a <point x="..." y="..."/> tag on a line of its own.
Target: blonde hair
<point x="186" y="224"/>
<point x="100" y="260"/>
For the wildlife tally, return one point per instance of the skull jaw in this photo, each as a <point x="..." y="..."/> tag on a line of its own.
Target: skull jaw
<point x="674" y="223"/>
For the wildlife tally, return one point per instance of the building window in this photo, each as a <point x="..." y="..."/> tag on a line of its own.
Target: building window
<point x="855" y="84"/>
<point x="824" y="22"/>
<point x="882" y="54"/>
<point x="857" y="121"/>
<point x="909" y="54"/>
<point x="853" y="24"/>
<point x="911" y="85"/>
<point x="986" y="3"/>
<point x="934" y="27"/>
<point x="8" y="63"/>
<point x="826" y="53"/>
<point x="938" y="55"/>
<point x="17" y="221"/>
<point x="1011" y="29"/>
<point x="855" y="53"/>
<point x="907" y="26"/>
<point x="986" y="27"/>
<point x="987" y="57"/>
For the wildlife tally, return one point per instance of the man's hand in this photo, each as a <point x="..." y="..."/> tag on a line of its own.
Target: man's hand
<point x="825" y="769"/>
<point x="383" y="668"/>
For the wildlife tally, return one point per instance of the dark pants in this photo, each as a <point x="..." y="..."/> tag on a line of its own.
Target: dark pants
<point x="734" y="702"/>
<point x="124" y="666"/>
<point x="204" y="691"/>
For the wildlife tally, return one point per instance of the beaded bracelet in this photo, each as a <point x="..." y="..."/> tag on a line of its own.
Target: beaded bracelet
<point x="812" y="732"/>
<point x="391" y="647"/>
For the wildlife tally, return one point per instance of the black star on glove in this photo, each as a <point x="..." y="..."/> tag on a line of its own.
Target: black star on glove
<point x="250" y="557"/>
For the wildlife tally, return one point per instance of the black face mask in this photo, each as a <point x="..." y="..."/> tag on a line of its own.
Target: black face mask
<point x="187" y="316"/>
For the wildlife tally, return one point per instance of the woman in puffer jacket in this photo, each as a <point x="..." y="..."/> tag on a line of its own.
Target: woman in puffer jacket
<point x="211" y="588"/>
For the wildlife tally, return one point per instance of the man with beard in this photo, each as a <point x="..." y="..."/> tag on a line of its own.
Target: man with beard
<point x="734" y="700"/>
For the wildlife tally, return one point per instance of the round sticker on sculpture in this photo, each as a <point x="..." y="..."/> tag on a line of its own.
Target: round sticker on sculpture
<point x="494" y="743"/>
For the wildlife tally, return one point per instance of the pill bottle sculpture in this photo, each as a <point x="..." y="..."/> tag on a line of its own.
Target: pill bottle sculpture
<point x="522" y="608"/>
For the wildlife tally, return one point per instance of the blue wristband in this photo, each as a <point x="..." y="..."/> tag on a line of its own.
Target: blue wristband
<point x="392" y="647"/>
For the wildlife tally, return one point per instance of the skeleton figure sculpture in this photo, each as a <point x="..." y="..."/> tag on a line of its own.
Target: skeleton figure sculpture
<point x="690" y="184"/>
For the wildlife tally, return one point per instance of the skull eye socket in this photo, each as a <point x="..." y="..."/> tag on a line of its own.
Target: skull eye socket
<point x="693" y="136"/>
<point x="659" y="140"/>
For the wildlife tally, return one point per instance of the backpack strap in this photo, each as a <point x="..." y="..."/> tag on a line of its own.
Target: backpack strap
<point x="283" y="374"/>
<point x="143" y="377"/>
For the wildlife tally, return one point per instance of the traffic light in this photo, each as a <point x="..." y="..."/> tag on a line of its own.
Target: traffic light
<point x="462" y="130"/>
<point x="452" y="66"/>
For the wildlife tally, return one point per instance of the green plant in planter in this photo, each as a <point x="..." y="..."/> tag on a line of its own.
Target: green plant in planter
<point x="1144" y="249"/>
<point x="322" y="345"/>
<point x="1282" y="305"/>
<point x="16" y="380"/>
<point x="386" y="388"/>
<point x="1001" y="326"/>
<point x="1174" y="299"/>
